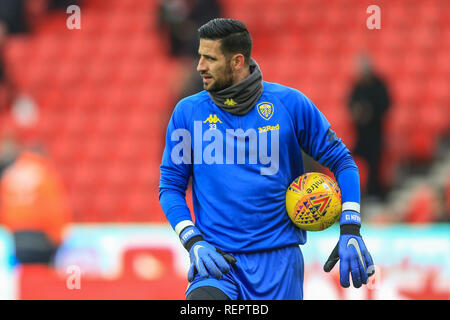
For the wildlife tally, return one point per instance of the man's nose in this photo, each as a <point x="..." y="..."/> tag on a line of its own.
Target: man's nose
<point x="201" y="66"/>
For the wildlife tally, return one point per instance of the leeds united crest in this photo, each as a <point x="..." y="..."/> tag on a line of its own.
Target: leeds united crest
<point x="265" y="110"/>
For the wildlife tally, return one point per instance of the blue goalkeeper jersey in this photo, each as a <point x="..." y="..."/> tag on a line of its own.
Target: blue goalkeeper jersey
<point x="241" y="166"/>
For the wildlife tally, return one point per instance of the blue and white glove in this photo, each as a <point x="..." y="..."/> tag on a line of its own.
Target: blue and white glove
<point x="205" y="259"/>
<point x="352" y="251"/>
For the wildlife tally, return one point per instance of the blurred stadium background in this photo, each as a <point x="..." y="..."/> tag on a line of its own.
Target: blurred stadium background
<point x="97" y="100"/>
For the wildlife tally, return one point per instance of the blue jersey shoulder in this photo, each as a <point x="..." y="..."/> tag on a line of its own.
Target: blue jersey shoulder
<point x="286" y="94"/>
<point x="193" y="100"/>
<point x="295" y="102"/>
<point x="184" y="110"/>
<point x="281" y="90"/>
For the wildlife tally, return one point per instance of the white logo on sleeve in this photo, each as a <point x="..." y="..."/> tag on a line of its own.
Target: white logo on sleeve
<point x="355" y="244"/>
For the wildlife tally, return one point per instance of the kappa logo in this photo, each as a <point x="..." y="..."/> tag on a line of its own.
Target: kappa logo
<point x="230" y="102"/>
<point x="265" y="110"/>
<point x="212" y="119"/>
<point x="331" y="135"/>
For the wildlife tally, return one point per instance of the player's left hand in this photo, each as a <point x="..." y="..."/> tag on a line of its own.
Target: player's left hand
<point x="354" y="256"/>
<point x="206" y="259"/>
<point x="209" y="261"/>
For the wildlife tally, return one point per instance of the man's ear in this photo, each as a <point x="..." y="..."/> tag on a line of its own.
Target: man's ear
<point x="237" y="61"/>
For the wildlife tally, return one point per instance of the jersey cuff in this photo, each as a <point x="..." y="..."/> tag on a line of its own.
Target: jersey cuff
<point x="350" y="217"/>
<point x="353" y="206"/>
<point x="181" y="225"/>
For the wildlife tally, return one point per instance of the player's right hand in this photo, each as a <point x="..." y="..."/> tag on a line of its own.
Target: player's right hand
<point x="205" y="258"/>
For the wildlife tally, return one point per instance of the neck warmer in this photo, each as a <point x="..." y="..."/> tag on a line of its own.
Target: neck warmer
<point x="241" y="97"/>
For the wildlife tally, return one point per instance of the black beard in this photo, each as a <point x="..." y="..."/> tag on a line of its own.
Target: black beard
<point x="226" y="82"/>
<point x="220" y="85"/>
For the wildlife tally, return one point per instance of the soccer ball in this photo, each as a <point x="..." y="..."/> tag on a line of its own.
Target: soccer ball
<point x="313" y="201"/>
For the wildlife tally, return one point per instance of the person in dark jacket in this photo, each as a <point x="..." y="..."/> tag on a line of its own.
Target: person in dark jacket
<point x="368" y="102"/>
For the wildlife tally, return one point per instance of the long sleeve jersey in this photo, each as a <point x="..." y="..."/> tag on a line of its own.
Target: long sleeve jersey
<point x="241" y="167"/>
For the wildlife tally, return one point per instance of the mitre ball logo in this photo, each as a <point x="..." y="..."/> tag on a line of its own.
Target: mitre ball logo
<point x="313" y="201"/>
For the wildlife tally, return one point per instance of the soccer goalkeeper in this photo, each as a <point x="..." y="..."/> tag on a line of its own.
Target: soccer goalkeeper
<point x="241" y="141"/>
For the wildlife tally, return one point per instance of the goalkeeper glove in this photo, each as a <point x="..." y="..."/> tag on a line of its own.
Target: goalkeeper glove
<point x="352" y="251"/>
<point x="205" y="259"/>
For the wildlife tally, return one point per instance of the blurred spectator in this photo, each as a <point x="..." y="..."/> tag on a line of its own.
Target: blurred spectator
<point x="181" y="19"/>
<point x="24" y="111"/>
<point x="35" y="12"/>
<point x="446" y="196"/>
<point x="62" y="4"/>
<point x="33" y="204"/>
<point x="368" y="103"/>
<point x="443" y="204"/>
<point x="23" y="16"/>
<point x="8" y="151"/>
<point x="8" y="90"/>
<point x="12" y="14"/>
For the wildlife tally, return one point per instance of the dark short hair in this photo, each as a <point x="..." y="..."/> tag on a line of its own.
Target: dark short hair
<point x="233" y="34"/>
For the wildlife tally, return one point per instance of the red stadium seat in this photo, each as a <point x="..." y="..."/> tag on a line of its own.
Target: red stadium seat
<point x="422" y="143"/>
<point x="421" y="207"/>
<point x="106" y="93"/>
<point x="99" y="149"/>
